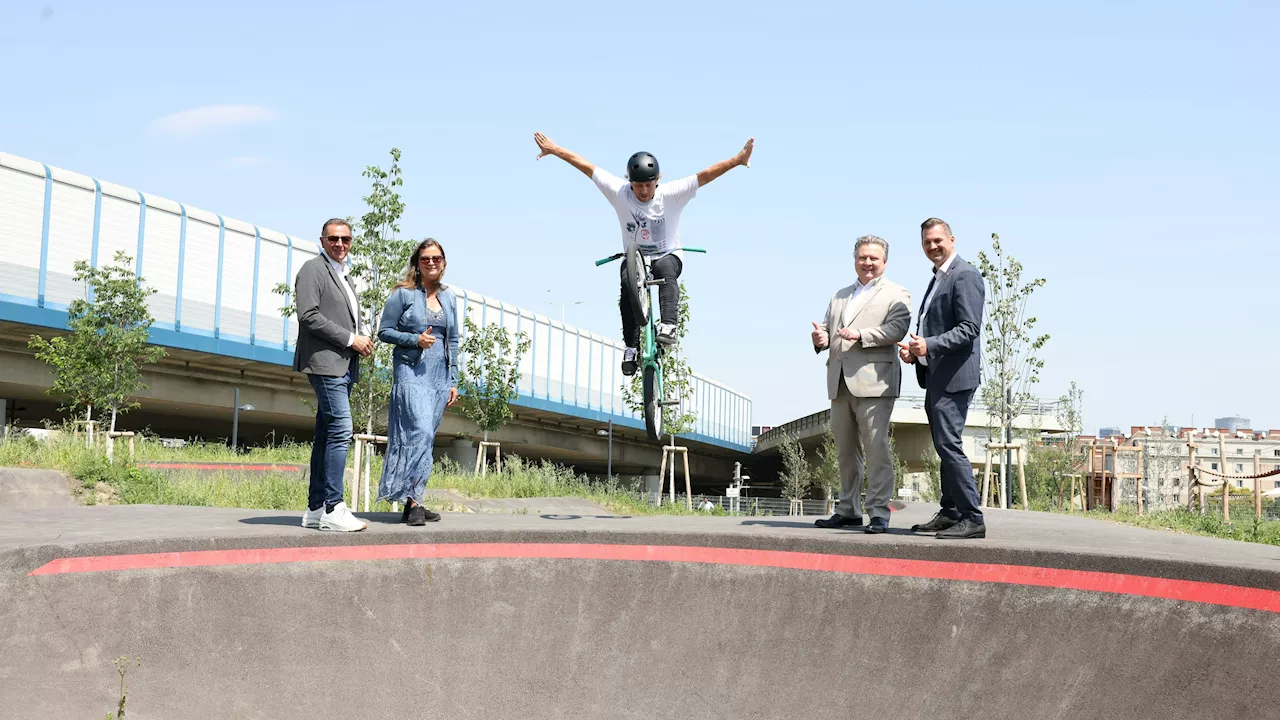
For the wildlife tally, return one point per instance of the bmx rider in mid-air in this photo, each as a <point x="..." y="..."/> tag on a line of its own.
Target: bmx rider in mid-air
<point x="650" y="218"/>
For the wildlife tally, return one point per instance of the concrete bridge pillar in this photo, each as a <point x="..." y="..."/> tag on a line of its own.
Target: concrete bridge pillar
<point x="462" y="452"/>
<point x="651" y="479"/>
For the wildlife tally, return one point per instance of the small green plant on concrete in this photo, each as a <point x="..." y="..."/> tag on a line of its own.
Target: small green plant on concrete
<point x="123" y="666"/>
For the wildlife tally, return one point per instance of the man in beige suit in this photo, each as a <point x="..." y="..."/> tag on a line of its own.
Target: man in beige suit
<point x="863" y="324"/>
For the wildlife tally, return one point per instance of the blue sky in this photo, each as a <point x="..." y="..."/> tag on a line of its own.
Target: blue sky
<point x="1126" y="153"/>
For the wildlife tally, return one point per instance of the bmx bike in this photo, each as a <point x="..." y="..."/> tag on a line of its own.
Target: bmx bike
<point x="639" y="281"/>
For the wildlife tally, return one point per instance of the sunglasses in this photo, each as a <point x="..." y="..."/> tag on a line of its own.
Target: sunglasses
<point x="431" y="259"/>
<point x="344" y="239"/>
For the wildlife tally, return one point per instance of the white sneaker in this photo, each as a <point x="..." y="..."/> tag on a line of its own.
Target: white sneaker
<point x="666" y="334"/>
<point x="341" y="520"/>
<point x="311" y="518"/>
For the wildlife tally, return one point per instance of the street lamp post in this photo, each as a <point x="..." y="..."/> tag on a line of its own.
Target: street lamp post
<point x="235" y="419"/>
<point x="609" y="432"/>
<point x="563" y="305"/>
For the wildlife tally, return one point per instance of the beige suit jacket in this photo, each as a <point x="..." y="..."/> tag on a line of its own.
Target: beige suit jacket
<point x="869" y="366"/>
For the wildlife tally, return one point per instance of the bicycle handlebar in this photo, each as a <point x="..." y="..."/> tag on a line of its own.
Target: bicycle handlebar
<point x="611" y="258"/>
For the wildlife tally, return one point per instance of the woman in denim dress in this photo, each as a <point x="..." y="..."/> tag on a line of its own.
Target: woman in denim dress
<point x="420" y="319"/>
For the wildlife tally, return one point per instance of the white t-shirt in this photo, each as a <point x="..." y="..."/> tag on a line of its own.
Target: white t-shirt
<point x="655" y="225"/>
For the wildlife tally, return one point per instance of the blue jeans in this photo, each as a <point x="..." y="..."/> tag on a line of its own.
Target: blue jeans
<point x="332" y="437"/>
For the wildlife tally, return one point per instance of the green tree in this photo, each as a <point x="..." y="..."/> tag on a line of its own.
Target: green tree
<point x="677" y="379"/>
<point x="378" y="259"/>
<point x="1010" y="346"/>
<point x="100" y="362"/>
<point x="1070" y="414"/>
<point x="932" y="475"/>
<point x="489" y="374"/>
<point x="827" y="474"/>
<point x="899" y="465"/>
<point x="797" y="475"/>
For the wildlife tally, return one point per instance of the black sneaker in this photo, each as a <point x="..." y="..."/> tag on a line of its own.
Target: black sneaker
<point x="404" y="515"/>
<point x="419" y="515"/>
<point x="629" y="365"/>
<point x="939" y="522"/>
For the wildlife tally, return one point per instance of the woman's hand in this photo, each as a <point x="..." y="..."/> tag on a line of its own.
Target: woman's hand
<point x="426" y="339"/>
<point x="453" y="397"/>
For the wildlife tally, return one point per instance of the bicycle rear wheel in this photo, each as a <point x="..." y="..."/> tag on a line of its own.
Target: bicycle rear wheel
<point x="636" y="278"/>
<point x="653" y="403"/>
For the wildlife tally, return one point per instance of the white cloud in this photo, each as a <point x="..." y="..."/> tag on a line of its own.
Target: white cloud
<point x="244" y="161"/>
<point x="198" y="120"/>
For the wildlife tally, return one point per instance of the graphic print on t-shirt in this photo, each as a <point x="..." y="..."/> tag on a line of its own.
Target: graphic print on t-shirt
<point x="648" y="233"/>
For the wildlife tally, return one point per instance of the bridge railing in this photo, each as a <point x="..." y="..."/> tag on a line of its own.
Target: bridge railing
<point x="568" y="367"/>
<point x="1036" y="408"/>
<point x="215" y="278"/>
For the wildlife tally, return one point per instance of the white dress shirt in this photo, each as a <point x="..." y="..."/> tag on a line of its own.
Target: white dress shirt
<point x="924" y="359"/>
<point x="341" y="270"/>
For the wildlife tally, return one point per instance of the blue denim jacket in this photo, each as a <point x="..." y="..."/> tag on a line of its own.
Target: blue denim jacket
<point x="404" y="318"/>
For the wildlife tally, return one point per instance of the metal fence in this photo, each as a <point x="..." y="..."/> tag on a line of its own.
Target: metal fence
<point x="748" y="506"/>
<point x="215" y="279"/>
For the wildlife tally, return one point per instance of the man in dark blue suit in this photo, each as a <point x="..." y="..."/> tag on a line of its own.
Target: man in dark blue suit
<point x="946" y="352"/>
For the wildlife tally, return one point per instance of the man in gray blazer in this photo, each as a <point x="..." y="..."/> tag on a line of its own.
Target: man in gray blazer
<point x="863" y="379"/>
<point x="947" y="354"/>
<point x="328" y="351"/>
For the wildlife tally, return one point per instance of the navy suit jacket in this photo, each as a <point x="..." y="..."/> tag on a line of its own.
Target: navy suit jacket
<point x="951" y="327"/>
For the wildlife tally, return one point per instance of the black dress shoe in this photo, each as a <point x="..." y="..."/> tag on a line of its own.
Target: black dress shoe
<point x="839" y="521"/>
<point x="419" y="515"/>
<point x="938" y="523"/>
<point x="964" y="530"/>
<point x="877" y="526"/>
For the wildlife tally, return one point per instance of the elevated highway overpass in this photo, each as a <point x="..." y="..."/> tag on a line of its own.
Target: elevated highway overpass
<point x="221" y="324"/>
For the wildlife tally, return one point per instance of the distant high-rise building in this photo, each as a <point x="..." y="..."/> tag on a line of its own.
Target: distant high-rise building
<point x="1107" y="432"/>
<point x="1232" y="424"/>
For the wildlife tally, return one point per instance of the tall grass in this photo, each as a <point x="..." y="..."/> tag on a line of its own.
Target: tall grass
<point x="1245" y="527"/>
<point x="126" y="483"/>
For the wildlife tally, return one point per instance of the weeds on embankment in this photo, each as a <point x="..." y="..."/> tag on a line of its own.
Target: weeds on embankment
<point x="100" y="481"/>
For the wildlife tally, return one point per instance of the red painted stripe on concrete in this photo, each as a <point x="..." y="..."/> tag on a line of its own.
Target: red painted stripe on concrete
<point x="1115" y="583"/>
<point x="219" y="466"/>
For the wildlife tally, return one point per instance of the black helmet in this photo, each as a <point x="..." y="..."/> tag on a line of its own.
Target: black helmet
<point x="642" y="167"/>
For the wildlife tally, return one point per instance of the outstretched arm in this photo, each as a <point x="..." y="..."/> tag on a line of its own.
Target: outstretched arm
<point x="742" y="158"/>
<point x="550" y="148"/>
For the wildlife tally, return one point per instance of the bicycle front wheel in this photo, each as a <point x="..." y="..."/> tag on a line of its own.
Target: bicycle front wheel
<point x="636" y="279"/>
<point x="653" y="403"/>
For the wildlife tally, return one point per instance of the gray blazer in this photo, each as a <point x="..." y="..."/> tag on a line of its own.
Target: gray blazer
<point x="951" y="328"/>
<point x="869" y="367"/>
<point x="325" y="321"/>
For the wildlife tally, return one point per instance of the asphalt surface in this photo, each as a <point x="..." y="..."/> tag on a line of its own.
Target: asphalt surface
<point x="581" y="615"/>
